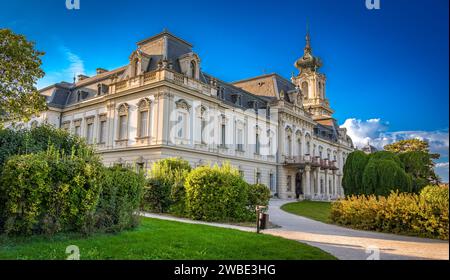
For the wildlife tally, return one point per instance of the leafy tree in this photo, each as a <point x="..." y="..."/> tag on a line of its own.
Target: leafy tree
<point x="353" y="173"/>
<point x="410" y="145"/>
<point x="382" y="176"/>
<point x="20" y="68"/>
<point x="421" y="167"/>
<point x="417" y="160"/>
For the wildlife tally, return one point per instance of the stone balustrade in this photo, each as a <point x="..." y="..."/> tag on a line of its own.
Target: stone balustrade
<point x="161" y="75"/>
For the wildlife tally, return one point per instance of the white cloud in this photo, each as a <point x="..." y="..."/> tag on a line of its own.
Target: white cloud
<point x="75" y="66"/>
<point x="442" y="165"/>
<point x="376" y="132"/>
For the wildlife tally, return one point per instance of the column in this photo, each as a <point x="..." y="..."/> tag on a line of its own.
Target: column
<point x="317" y="184"/>
<point x="326" y="184"/>
<point x="307" y="181"/>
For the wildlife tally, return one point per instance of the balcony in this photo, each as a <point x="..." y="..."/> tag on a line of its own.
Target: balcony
<point x="316" y="162"/>
<point x="158" y="76"/>
<point x="296" y="161"/>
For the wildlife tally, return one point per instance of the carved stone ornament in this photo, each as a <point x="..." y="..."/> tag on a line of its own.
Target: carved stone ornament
<point x="182" y="104"/>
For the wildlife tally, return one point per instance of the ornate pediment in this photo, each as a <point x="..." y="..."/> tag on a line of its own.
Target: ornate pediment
<point x="182" y="104"/>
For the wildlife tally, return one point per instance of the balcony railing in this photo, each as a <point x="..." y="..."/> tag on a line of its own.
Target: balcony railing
<point x="157" y="76"/>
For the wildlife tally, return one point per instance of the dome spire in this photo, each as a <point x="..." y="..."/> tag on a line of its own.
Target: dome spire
<point x="308" y="62"/>
<point x="308" y="48"/>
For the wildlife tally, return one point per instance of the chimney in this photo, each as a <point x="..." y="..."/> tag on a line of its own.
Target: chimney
<point x="82" y="77"/>
<point x="101" y="70"/>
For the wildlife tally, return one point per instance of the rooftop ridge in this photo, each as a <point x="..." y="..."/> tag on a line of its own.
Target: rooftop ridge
<point x="167" y="33"/>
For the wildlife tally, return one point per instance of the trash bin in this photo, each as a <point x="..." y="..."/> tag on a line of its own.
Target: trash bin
<point x="264" y="221"/>
<point x="262" y="218"/>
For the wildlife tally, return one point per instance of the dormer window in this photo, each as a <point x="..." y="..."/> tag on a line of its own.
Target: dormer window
<point x="193" y="69"/>
<point x="136" y="67"/>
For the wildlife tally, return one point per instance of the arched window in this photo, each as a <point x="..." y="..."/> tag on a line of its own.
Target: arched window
<point x="299" y="146"/>
<point x="203" y="123"/>
<point x="123" y="122"/>
<point x="144" y="118"/>
<point x="305" y="90"/>
<point x="136" y="67"/>
<point x="289" y="146"/>
<point x="193" y="69"/>
<point x="183" y="109"/>
<point x="320" y="90"/>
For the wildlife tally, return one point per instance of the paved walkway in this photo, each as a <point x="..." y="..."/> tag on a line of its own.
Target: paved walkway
<point x="344" y="243"/>
<point x="349" y="244"/>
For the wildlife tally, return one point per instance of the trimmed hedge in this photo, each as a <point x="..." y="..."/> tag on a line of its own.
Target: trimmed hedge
<point x="382" y="176"/>
<point x="120" y="198"/>
<point x="424" y="214"/>
<point x="217" y="194"/>
<point x="165" y="190"/>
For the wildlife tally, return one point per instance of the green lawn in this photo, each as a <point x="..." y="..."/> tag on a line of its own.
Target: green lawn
<point x="162" y="240"/>
<point x="319" y="211"/>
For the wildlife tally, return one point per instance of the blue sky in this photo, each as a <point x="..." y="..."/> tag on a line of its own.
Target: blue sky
<point x="387" y="69"/>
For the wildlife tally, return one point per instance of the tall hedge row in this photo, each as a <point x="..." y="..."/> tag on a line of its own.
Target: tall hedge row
<point x="378" y="174"/>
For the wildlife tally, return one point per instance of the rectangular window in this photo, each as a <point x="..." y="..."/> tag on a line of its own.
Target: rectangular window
<point x="289" y="183"/>
<point x="257" y="147"/>
<point x="66" y="126"/>
<point x="258" y="178"/>
<point x="240" y="140"/>
<point x="102" y="132"/>
<point x="77" y="130"/>
<point x="223" y="135"/>
<point x="180" y="126"/>
<point x="203" y="130"/>
<point x="143" y="126"/>
<point x="271" y="182"/>
<point x="90" y="133"/>
<point x="122" y="127"/>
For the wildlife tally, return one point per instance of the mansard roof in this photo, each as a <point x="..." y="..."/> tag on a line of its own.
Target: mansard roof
<point x="267" y="85"/>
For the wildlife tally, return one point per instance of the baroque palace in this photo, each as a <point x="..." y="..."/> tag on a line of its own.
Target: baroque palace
<point x="277" y="132"/>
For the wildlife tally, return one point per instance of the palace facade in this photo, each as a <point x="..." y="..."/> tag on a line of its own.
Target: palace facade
<point x="277" y="132"/>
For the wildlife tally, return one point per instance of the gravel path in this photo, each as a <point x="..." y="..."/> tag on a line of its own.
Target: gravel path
<point x="349" y="244"/>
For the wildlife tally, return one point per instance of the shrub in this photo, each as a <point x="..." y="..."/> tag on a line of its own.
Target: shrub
<point x="49" y="192"/>
<point x="120" y="198"/>
<point x="353" y="173"/>
<point x="258" y="195"/>
<point x="165" y="187"/>
<point x="424" y="215"/>
<point x="381" y="176"/>
<point x="217" y="194"/>
<point x="38" y="139"/>
<point x="23" y="187"/>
